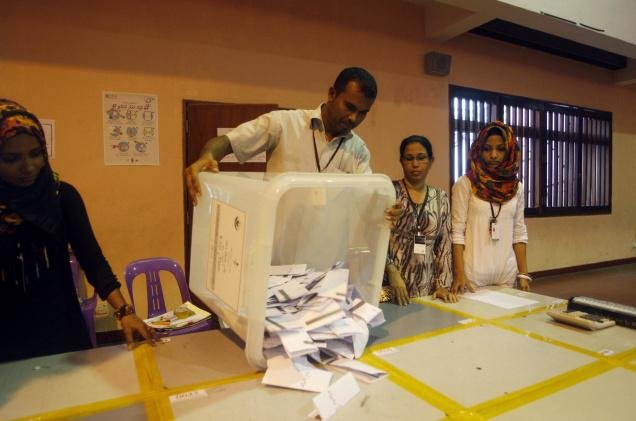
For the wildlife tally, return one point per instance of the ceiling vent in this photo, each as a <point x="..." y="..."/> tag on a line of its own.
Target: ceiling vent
<point x="531" y="38"/>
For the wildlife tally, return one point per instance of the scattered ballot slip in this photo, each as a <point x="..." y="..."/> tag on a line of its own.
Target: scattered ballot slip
<point x="297" y="373"/>
<point x="334" y="398"/>
<point x="282" y="270"/>
<point x="360" y="370"/>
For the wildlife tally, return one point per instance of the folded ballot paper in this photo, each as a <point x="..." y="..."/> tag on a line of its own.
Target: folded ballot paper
<point x="315" y="319"/>
<point x="184" y="315"/>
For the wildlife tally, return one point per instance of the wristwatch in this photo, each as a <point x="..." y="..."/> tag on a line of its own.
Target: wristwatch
<point x="124" y="310"/>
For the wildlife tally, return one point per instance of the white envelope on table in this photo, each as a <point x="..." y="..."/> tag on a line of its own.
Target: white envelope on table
<point x="283" y="270"/>
<point x="296" y="342"/>
<point x="360" y="338"/>
<point x="271" y="341"/>
<point x="338" y="394"/>
<point x="326" y="315"/>
<point x="290" y="291"/>
<point x="341" y="347"/>
<point x="281" y="323"/>
<point x="276" y="280"/>
<point x="372" y="315"/>
<point x="321" y="336"/>
<point x="335" y="284"/>
<point x="295" y="374"/>
<point x="344" y="327"/>
<point x="361" y="370"/>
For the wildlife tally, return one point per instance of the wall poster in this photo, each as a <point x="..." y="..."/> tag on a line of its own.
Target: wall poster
<point x="131" y="132"/>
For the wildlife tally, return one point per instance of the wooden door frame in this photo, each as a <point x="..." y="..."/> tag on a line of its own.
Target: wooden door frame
<point x="186" y="103"/>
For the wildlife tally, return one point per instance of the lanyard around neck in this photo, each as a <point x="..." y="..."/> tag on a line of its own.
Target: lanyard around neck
<point x="313" y="135"/>
<point x="422" y="210"/>
<point x="492" y="212"/>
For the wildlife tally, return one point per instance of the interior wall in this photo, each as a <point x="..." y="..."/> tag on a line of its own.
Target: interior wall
<point x="58" y="57"/>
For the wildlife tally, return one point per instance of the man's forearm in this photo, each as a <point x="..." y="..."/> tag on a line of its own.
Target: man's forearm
<point x="217" y="148"/>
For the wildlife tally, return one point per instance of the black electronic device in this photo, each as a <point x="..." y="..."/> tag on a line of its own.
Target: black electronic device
<point x="623" y="315"/>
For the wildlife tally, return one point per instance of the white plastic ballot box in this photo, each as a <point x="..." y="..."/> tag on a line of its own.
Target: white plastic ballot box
<point x="244" y="223"/>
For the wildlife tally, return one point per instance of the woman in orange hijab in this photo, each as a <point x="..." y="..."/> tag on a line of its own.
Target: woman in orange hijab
<point x="488" y="228"/>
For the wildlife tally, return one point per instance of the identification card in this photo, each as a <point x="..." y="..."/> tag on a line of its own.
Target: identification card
<point x="494" y="230"/>
<point x="419" y="245"/>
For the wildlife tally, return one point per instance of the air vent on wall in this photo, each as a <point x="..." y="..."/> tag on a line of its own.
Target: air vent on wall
<point x="531" y="38"/>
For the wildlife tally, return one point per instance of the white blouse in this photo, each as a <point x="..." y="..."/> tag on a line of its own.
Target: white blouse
<point x="487" y="261"/>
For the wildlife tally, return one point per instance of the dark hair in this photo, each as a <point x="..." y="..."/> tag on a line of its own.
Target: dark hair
<point x="426" y="144"/>
<point x="360" y="75"/>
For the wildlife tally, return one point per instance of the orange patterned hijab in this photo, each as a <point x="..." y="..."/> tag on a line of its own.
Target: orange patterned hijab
<point x="498" y="184"/>
<point x="38" y="203"/>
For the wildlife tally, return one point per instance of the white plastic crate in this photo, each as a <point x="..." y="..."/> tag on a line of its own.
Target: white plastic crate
<point x="244" y="223"/>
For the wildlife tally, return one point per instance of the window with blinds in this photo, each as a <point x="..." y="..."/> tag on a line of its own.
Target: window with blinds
<point x="566" y="151"/>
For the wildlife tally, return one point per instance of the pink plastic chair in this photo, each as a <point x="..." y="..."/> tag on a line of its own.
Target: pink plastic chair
<point x="156" y="305"/>
<point x="86" y="304"/>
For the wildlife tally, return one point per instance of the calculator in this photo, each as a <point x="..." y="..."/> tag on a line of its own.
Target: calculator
<point x="581" y="319"/>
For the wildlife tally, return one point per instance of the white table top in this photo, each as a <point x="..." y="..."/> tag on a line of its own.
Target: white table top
<point x="512" y="364"/>
<point x="609" y="396"/>
<point x="49" y="383"/>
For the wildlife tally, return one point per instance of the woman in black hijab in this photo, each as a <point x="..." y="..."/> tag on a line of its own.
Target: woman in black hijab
<point x="40" y="216"/>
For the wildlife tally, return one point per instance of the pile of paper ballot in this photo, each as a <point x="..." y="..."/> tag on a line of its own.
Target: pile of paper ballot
<point x="185" y="315"/>
<point x="319" y="317"/>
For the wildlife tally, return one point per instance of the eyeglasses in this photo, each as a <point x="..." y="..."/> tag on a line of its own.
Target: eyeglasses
<point x="418" y="158"/>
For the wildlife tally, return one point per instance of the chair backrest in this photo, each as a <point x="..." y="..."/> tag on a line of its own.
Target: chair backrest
<point x="150" y="268"/>
<point x="87" y="304"/>
<point x="75" y="272"/>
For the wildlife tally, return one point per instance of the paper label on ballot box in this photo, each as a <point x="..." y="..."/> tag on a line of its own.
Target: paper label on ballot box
<point x="225" y="259"/>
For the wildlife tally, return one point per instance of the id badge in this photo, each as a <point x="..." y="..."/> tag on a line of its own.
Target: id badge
<point x="419" y="245"/>
<point x="494" y="230"/>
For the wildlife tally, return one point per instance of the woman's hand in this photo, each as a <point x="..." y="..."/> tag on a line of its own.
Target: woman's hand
<point x="461" y="284"/>
<point x="400" y="294"/>
<point x="445" y="295"/>
<point x="130" y="324"/>
<point x="393" y="213"/>
<point x="523" y="284"/>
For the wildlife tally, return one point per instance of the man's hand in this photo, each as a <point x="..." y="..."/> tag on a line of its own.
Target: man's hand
<point x="192" y="179"/>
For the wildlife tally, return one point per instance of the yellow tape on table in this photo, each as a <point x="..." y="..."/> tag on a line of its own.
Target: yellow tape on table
<point x="410" y="339"/>
<point x="149" y="377"/>
<point x="153" y="394"/>
<point x="540" y="390"/>
<point x="441" y="306"/>
<point x="88" y="409"/>
<point x="449" y="309"/>
<point x="212" y="383"/>
<point x="414" y="386"/>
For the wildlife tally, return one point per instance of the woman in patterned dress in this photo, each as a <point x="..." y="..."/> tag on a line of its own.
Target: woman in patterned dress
<point x="419" y="256"/>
